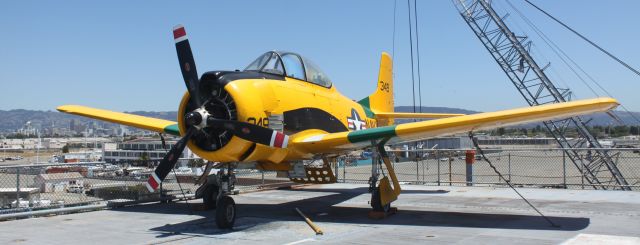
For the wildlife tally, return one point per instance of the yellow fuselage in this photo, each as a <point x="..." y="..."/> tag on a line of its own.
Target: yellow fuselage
<point x="258" y="99"/>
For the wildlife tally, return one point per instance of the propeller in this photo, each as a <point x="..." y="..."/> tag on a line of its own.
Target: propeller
<point x="252" y="132"/>
<point x="200" y="118"/>
<point x="168" y="162"/>
<point x="187" y="64"/>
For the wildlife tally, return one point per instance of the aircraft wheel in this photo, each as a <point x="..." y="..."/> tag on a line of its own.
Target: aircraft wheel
<point x="225" y="212"/>
<point x="376" y="202"/>
<point x="210" y="196"/>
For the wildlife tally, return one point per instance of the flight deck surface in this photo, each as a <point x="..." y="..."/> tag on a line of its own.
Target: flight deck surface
<point x="433" y="214"/>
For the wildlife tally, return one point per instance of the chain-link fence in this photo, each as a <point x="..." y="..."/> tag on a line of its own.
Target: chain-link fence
<point x="543" y="168"/>
<point x="35" y="187"/>
<point x="38" y="187"/>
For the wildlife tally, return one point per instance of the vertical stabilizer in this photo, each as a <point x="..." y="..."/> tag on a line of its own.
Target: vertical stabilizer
<point x="382" y="99"/>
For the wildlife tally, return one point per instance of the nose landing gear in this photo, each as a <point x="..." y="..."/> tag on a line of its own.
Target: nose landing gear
<point x="225" y="212"/>
<point x="215" y="193"/>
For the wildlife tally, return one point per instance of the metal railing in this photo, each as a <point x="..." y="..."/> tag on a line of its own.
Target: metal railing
<point x="45" y="186"/>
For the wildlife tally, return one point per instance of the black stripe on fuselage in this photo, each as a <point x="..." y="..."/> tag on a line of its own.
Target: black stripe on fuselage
<point x="311" y="118"/>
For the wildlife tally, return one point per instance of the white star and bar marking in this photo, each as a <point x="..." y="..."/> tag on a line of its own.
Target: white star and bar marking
<point x="355" y="122"/>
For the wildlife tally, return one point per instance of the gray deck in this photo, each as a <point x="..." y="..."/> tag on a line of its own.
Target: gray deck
<point x="461" y="215"/>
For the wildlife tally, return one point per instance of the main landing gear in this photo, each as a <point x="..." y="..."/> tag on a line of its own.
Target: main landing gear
<point x="215" y="193"/>
<point x="380" y="188"/>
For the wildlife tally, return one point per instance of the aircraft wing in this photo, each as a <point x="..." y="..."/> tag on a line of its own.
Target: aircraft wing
<point x="342" y="141"/>
<point x="148" y="123"/>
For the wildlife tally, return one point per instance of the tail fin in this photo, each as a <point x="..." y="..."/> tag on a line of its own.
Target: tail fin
<point x="382" y="99"/>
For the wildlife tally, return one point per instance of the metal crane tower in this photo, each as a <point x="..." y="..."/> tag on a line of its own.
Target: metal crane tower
<point x="512" y="54"/>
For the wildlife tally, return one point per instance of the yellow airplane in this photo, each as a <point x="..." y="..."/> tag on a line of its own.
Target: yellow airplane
<point x="282" y="109"/>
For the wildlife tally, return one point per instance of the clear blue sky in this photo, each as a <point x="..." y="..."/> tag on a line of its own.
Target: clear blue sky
<point x="120" y="55"/>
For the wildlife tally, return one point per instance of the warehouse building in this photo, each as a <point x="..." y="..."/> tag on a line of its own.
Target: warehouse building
<point x="140" y="152"/>
<point x="58" y="182"/>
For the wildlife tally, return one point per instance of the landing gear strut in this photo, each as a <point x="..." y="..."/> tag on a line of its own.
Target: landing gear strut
<point x="381" y="192"/>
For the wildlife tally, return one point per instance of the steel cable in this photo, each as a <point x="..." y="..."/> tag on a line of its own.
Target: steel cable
<point x="559" y="52"/>
<point x="586" y="39"/>
<point x="477" y="146"/>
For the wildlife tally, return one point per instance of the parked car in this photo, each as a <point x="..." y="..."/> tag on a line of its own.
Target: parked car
<point x="22" y="204"/>
<point x="75" y="189"/>
<point x="42" y="203"/>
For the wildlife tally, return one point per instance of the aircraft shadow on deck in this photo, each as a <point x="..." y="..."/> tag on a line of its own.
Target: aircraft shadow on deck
<point x="322" y="209"/>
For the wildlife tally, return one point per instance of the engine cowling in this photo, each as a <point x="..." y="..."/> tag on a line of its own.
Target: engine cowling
<point x="243" y="96"/>
<point x="214" y="144"/>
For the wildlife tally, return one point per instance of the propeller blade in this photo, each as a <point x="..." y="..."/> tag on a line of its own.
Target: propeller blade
<point x="187" y="63"/>
<point x="168" y="162"/>
<point x="252" y="132"/>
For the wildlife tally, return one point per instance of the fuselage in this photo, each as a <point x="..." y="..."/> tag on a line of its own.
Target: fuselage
<point x="298" y="107"/>
<point x="303" y="106"/>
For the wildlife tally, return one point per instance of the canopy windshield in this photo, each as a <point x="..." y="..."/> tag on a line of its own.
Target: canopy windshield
<point x="290" y="65"/>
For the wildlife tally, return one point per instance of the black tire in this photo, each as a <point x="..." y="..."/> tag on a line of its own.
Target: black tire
<point x="210" y="197"/>
<point x="225" y="213"/>
<point x="376" y="202"/>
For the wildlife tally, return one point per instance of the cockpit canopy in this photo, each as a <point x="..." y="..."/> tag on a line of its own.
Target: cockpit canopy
<point x="290" y="65"/>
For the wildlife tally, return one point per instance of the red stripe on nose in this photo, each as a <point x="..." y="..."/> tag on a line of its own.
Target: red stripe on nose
<point x="279" y="140"/>
<point x="152" y="182"/>
<point x="178" y="33"/>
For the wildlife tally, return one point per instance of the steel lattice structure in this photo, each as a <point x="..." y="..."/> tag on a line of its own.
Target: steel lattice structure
<point x="511" y="52"/>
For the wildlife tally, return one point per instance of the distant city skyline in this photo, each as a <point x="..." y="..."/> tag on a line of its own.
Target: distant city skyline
<point x="119" y="55"/>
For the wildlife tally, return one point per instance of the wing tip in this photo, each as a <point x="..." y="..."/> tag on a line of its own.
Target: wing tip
<point x="68" y="108"/>
<point x="611" y="102"/>
<point x="64" y="108"/>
